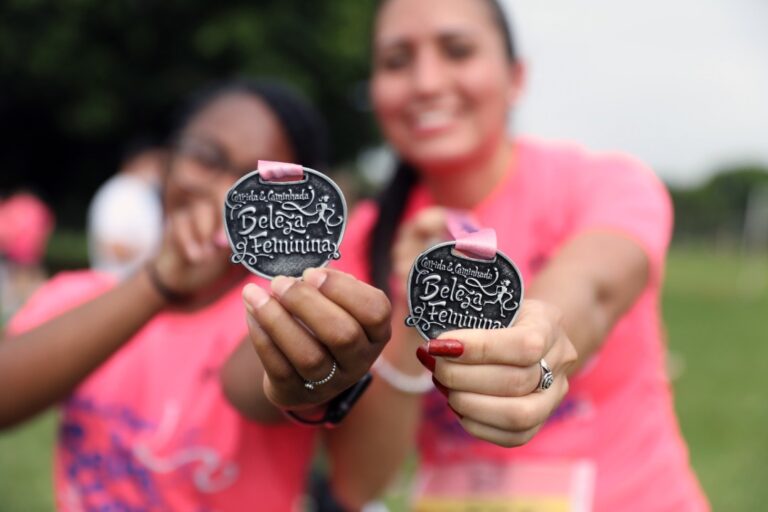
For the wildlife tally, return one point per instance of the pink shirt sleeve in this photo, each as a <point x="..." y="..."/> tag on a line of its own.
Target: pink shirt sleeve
<point x="63" y="292"/>
<point x="617" y="192"/>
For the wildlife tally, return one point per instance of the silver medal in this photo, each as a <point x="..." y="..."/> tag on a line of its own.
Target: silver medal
<point x="284" y="227"/>
<point x="448" y="291"/>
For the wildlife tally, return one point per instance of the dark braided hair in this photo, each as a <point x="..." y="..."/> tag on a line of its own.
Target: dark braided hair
<point x="393" y="199"/>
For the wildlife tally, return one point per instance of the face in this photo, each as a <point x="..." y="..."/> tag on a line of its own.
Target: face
<point x="442" y="84"/>
<point x="223" y="142"/>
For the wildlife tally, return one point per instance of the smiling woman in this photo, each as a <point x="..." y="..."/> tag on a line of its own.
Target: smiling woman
<point x="577" y="383"/>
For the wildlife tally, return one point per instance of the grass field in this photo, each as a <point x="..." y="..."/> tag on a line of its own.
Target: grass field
<point x="716" y="311"/>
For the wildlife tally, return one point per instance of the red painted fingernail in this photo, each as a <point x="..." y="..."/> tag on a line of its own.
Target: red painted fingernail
<point x="424" y="358"/>
<point x="457" y="413"/>
<point x="445" y="348"/>
<point x="442" y="389"/>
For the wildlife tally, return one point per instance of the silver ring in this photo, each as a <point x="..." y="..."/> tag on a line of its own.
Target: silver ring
<point x="547" y="377"/>
<point x="311" y="384"/>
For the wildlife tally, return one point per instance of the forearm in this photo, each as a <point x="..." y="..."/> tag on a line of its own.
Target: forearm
<point x="242" y="380"/>
<point x="44" y="365"/>
<point x="593" y="281"/>
<point x="369" y="447"/>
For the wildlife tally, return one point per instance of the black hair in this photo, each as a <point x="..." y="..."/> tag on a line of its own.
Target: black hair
<point x="304" y="127"/>
<point x="392" y="201"/>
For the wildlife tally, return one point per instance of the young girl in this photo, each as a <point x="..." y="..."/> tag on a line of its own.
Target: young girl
<point x="136" y="365"/>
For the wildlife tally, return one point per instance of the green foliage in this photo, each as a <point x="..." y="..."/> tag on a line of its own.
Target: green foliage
<point x="719" y="205"/>
<point x="80" y="78"/>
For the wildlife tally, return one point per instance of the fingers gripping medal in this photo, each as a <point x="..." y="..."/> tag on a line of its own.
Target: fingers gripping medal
<point x="464" y="284"/>
<point x="284" y="218"/>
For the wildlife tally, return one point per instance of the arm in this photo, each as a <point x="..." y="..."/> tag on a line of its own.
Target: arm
<point x="593" y="280"/>
<point x="44" y="365"/>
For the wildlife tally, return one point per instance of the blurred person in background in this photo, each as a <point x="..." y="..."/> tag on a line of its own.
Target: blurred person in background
<point x="589" y="232"/>
<point x="26" y="223"/>
<point x="125" y="217"/>
<point x="139" y="365"/>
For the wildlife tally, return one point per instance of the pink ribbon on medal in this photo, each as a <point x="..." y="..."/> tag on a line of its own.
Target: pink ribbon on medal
<point x="279" y="171"/>
<point x="471" y="239"/>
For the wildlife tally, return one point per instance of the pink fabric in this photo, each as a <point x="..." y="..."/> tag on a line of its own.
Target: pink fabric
<point x="618" y="413"/>
<point x="470" y="239"/>
<point x="151" y="429"/>
<point x="25" y="225"/>
<point x="279" y="170"/>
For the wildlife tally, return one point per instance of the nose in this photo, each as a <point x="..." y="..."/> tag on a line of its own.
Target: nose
<point x="190" y="177"/>
<point x="429" y="73"/>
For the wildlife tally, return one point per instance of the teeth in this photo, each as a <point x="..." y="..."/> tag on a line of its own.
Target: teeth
<point x="433" y="119"/>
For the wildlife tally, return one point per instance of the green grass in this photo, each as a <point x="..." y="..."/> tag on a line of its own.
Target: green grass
<point x="716" y="312"/>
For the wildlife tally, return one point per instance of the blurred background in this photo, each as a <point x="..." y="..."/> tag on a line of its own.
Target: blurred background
<point x="683" y="85"/>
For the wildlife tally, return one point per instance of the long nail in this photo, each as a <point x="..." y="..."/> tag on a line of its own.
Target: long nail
<point x="445" y="348"/>
<point x="315" y="277"/>
<point x="425" y="359"/>
<point x="281" y="284"/>
<point x="442" y="389"/>
<point x="254" y="297"/>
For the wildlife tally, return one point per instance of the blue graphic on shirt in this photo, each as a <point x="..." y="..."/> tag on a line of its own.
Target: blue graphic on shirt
<point x="101" y="465"/>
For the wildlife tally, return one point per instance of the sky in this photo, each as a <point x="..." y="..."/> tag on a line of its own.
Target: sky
<point x="682" y="84"/>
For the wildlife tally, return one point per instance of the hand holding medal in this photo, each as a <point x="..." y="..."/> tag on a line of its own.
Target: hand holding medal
<point x="501" y="380"/>
<point x="317" y="336"/>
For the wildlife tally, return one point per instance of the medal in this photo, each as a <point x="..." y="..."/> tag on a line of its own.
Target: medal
<point x="283" y="218"/>
<point x="450" y="288"/>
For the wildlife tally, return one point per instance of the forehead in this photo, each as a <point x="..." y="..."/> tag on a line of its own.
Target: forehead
<point x="398" y="19"/>
<point x="242" y="123"/>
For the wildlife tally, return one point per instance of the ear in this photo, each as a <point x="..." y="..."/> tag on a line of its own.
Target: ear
<point x="517" y="81"/>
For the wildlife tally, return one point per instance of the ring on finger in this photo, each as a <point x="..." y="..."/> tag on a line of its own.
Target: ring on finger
<point x="312" y="384"/>
<point x="547" y="377"/>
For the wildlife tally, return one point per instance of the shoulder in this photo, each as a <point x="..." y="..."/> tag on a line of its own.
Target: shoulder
<point x="61" y="293"/>
<point x="573" y="168"/>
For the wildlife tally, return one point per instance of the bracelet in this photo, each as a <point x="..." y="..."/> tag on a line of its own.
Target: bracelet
<point x="401" y="381"/>
<point x="337" y="408"/>
<point x="169" y="295"/>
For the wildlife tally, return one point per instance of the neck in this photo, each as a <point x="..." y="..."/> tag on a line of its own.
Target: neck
<point x="466" y="184"/>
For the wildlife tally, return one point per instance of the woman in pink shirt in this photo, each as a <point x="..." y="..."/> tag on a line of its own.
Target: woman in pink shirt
<point x="589" y="233"/>
<point x="140" y="366"/>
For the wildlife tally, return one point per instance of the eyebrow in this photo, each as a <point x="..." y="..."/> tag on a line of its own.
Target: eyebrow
<point x="448" y="32"/>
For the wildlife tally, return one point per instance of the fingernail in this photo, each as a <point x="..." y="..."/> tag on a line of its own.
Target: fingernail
<point x="442" y="389"/>
<point x="254" y="297"/>
<point x="315" y="277"/>
<point x="445" y="348"/>
<point x="220" y="239"/>
<point x="457" y="413"/>
<point x="280" y="284"/>
<point x="425" y="359"/>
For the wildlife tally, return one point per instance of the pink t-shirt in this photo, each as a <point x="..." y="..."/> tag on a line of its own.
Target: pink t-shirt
<point x="618" y="416"/>
<point x="151" y="430"/>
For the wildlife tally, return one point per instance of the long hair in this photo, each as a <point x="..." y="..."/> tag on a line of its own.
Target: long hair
<point x="393" y="199"/>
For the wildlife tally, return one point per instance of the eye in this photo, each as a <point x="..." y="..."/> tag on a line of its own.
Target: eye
<point x="458" y="49"/>
<point x="394" y="59"/>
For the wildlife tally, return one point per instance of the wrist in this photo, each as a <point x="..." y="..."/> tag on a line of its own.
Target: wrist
<point x="160" y="287"/>
<point x="401" y="381"/>
<point x="335" y="410"/>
